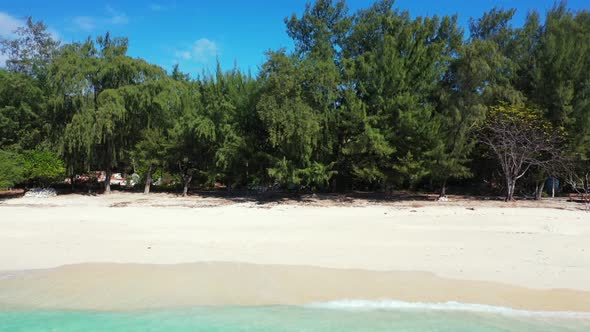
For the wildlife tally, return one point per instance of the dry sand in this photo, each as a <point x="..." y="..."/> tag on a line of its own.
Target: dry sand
<point x="534" y="258"/>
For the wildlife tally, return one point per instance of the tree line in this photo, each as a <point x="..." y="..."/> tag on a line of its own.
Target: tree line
<point x="370" y="100"/>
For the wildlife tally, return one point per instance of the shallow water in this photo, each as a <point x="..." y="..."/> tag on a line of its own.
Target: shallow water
<point x="340" y="316"/>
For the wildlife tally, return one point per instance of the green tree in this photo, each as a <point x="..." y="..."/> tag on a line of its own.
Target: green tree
<point x="191" y="144"/>
<point x="153" y="106"/>
<point x="292" y="126"/>
<point x="319" y="35"/>
<point x="150" y="154"/>
<point x="460" y="106"/>
<point x="11" y="165"/>
<point x="394" y="63"/>
<point x="237" y="141"/>
<point x="376" y="99"/>
<point x="22" y="107"/>
<point x="560" y="75"/>
<point x="102" y="130"/>
<point x="31" y="51"/>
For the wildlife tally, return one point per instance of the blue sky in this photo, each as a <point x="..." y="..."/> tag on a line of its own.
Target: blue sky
<point x="195" y="33"/>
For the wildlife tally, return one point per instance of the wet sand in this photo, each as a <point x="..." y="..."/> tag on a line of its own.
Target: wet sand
<point x="137" y="286"/>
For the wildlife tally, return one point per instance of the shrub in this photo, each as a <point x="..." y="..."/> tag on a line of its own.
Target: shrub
<point x="42" y="167"/>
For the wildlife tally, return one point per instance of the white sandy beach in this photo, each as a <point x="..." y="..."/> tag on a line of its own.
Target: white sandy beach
<point x="539" y="249"/>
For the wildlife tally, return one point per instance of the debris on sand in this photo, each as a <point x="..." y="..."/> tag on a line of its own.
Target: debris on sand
<point x="41" y="193"/>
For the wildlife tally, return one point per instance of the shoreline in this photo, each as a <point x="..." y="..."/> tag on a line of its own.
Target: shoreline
<point x="128" y="287"/>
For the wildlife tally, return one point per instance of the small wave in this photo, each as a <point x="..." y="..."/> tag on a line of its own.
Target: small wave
<point x="445" y="306"/>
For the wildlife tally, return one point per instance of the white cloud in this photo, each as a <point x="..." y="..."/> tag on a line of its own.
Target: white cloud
<point x="85" y="23"/>
<point x="54" y="34"/>
<point x="117" y="17"/>
<point x="203" y="50"/>
<point x="3" y="58"/>
<point x="90" y="23"/>
<point x="186" y="55"/>
<point x="8" y="24"/>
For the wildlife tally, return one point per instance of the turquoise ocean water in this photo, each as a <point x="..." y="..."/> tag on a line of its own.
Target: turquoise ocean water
<point x="339" y="316"/>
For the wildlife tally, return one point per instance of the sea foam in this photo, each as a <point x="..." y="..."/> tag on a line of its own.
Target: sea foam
<point x="445" y="306"/>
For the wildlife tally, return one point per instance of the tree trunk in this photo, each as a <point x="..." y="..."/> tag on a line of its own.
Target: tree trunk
<point x="148" y="181"/>
<point x="539" y="190"/>
<point x="510" y="185"/>
<point x="107" y="181"/>
<point x="443" y="189"/>
<point x="187" y="180"/>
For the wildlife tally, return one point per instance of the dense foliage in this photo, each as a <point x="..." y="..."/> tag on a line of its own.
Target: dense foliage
<point x="371" y="100"/>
